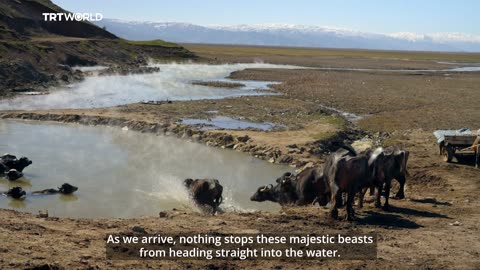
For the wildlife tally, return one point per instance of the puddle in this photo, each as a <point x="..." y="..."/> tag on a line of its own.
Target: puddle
<point x="460" y="63"/>
<point x="172" y="82"/>
<point x="346" y="115"/>
<point x="464" y="69"/>
<point x="222" y="122"/>
<point x="124" y="173"/>
<point x="89" y="68"/>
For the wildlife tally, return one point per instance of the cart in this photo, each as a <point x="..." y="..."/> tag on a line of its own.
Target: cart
<point x="455" y="145"/>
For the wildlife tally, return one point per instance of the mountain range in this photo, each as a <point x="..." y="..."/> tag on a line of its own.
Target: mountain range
<point x="290" y="35"/>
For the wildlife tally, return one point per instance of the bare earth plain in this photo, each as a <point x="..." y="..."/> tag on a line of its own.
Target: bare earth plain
<point x="435" y="227"/>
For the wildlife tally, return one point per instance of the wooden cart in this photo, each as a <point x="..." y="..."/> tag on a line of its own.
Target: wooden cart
<point x="457" y="145"/>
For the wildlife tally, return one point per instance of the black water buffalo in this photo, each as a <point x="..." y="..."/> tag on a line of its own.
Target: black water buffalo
<point x="13" y="174"/>
<point x="399" y="171"/>
<point x="309" y="186"/>
<point x="15" y="192"/>
<point x="11" y="162"/>
<point x="390" y="163"/>
<point x="66" y="189"/>
<point x="205" y="192"/>
<point x="305" y="188"/>
<point x="283" y="192"/>
<point x="287" y="186"/>
<point x="346" y="172"/>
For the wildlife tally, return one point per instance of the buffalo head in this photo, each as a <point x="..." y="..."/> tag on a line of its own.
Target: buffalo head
<point x="67" y="189"/>
<point x="16" y="192"/>
<point x="187" y="182"/>
<point x="263" y="194"/>
<point x="13" y="175"/>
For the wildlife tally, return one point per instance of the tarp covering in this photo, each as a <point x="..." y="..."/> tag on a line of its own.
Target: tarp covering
<point x="440" y="134"/>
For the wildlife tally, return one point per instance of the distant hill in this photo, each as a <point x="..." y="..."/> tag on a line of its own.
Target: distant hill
<point x="290" y="35"/>
<point x="35" y="55"/>
<point x="21" y="19"/>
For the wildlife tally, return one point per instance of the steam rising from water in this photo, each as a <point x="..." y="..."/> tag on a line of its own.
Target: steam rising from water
<point x="173" y="82"/>
<point x="124" y="173"/>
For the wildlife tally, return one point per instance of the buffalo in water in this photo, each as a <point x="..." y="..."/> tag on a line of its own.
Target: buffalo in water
<point x="15" y="192"/>
<point x="65" y="189"/>
<point x="308" y="187"/>
<point x="9" y="162"/>
<point x="205" y="192"/>
<point x="13" y="174"/>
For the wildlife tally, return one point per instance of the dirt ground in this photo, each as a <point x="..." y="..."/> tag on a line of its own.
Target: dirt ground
<point x="435" y="227"/>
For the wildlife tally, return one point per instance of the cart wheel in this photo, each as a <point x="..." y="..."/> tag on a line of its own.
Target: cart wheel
<point x="448" y="153"/>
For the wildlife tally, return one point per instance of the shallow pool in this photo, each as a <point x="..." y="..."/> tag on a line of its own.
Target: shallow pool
<point x="124" y="173"/>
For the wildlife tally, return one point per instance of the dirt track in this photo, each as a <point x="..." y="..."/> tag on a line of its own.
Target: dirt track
<point x="416" y="234"/>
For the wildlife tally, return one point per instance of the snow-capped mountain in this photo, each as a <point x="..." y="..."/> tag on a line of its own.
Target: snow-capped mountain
<point x="290" y="35"/>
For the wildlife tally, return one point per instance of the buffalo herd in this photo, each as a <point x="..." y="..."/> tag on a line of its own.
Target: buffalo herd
<point x="12" y="168"/>
<point x="345" y="175"/>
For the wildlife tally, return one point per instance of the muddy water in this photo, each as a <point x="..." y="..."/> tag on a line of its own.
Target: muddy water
<point x="124" y="173"/>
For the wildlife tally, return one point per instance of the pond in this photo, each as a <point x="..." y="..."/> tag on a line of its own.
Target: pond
<point x="124" y="173"/>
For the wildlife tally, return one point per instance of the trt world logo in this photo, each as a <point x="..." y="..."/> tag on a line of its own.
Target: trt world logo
<point x="65" y="17"/>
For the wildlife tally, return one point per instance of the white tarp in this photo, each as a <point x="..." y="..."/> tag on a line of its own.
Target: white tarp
<point x="440" y="134"/>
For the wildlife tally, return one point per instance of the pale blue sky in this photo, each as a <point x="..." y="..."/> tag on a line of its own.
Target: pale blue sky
<point x="379" y="16"/>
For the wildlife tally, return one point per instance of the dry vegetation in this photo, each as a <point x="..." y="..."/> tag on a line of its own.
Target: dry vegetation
<point x="319" y="57"/>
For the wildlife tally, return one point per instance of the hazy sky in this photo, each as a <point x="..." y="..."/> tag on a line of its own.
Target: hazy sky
<point x="379" y="16"/>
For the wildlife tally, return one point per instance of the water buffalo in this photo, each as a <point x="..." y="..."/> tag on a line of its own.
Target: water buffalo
<point x="283" y="192"/>
<point x="11" y="162"/>
<point x="346" y="172"/>
<point x="390" y="163"/>
<point x="399" y="170"/>
<point x="205" y="192"/>
<point x="64" y="189"/>
<point x="15" y="192"/>
<point x="13" y="174"/>
<point x="308" y="187"/>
